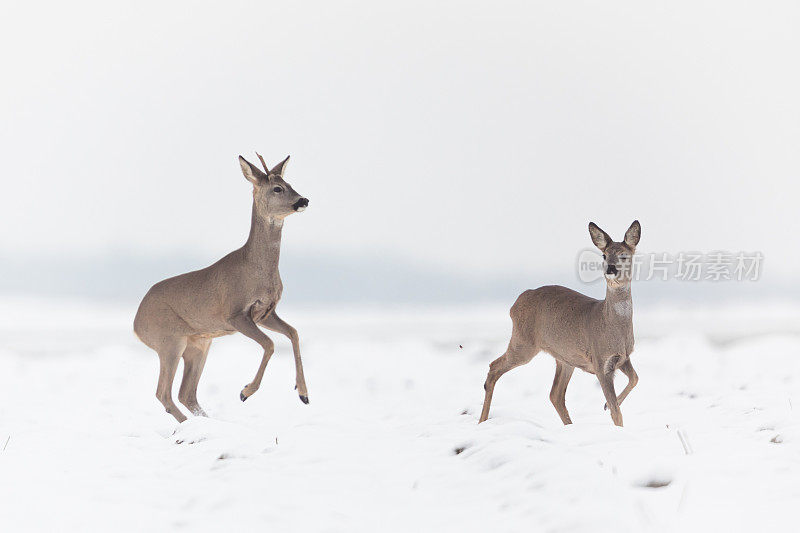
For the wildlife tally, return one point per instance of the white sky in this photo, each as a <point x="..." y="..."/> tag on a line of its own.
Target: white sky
<point x="476" y="136"/>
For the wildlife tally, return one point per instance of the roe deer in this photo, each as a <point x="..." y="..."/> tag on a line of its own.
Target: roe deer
<point x="179" y="316"/>
<point x="578" y="331"/>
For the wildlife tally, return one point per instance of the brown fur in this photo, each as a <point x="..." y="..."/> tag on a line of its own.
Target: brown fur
<point x="179" y="316"/>
<point x="578" y="331"/>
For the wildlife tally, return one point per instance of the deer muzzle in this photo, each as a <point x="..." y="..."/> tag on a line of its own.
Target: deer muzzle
<point x="300" y="205"/>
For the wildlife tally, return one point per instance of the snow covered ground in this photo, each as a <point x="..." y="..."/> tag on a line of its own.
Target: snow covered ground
<point x="390" y="441"/>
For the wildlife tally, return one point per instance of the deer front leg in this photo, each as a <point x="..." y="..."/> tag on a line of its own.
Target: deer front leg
<point x="244" y="324"/>
<point x="633" y="379"/>
<point x="607" y="384"/>
<point x="274" y="323"/>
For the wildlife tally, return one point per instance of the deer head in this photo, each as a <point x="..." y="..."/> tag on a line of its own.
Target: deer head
<point x="617" y="256"/>
<point x="273" y="197"/>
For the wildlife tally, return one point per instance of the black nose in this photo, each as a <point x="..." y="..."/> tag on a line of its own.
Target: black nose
<point x="302" y="202"/>
<point x="611" y="270"/>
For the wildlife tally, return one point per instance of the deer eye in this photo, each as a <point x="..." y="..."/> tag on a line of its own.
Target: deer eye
<point x="277" y="189"/>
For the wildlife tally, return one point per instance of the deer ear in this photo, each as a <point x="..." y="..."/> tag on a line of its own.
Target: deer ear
<point x="599" y="237"/>
<point x="280" y="167"/>
<point x="633" y="234"/>
<point x="250" y="172"/>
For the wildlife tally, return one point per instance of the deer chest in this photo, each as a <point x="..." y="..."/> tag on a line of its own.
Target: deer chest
<point x="613" y="343"/>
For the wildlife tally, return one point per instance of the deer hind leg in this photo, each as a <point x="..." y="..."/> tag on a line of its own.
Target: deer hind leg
<point x="558" y="393"/>
<point x="194" y="359"/>
<point x="516" y="355"/>
<point x="169" y="353"/>
<point x="633" y="379"/>
<point x="274" y="323"/>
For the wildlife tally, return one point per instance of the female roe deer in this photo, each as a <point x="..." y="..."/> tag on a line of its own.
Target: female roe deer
<point x="179" y="316"/>
<point x="578" y="331"/>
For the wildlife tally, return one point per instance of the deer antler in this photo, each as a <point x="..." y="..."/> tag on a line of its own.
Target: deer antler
<point x="263" y="164"/>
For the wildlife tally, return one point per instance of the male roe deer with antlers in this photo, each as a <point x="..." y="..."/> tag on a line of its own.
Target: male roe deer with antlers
<point x="578" y="331"/>
<point x="179" y="316"/>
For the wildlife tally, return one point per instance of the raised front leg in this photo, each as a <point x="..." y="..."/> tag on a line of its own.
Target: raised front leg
<point x="244" y="324"/>
<point x="274" y="323"/>
<point x="633" y="379"/>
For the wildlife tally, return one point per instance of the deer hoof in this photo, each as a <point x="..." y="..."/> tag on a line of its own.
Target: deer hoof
<point x="304" y="399"/>
<point x="242" y="396"/>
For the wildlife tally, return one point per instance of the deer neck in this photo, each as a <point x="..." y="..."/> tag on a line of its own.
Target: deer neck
<point x="263" y="246"/>
<point x="618" y="305"/>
